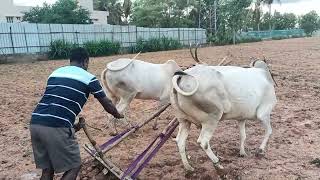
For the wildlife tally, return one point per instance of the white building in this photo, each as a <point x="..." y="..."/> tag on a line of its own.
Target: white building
<point x="9" y="12"/>
<point x="97" y="17"/>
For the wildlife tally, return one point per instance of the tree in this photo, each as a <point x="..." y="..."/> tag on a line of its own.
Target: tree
<point x="161" y="13"/>
<point x="234" y="15"/>
<point x="127" y="10"/>
<point x="62" y="12"/>
<point x="266" y="20"/>
<point x="115" y="10"/>
<point x="257" y="13"/>
<point x="284" y="21"/>
<point x="310" y="22"/>
<point x="269" y="3"/>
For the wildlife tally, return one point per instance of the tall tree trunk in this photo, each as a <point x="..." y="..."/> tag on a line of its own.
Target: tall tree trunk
<point x="199" y="18"/>
<point x="270" y="23"/>
<point x="234" y="36"/>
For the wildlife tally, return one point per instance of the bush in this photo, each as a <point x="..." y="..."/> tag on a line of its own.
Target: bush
<point x="297" y="36"/>
<point x="248" y="40"/>
<point x="156" y="44"/>
<point x="60" y="49"/>
<point x="93" y="48"/>
<point x="102" y="48"/>
<point x="280" y="37"/>
<point x="220" y="40"/>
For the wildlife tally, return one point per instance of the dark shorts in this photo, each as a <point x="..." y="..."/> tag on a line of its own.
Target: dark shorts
<point x="55" y="147"/>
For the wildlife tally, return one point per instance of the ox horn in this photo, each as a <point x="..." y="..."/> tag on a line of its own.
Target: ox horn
<point x="137" y="55"/>
<point x="190" y="48"/>
<point x="196" y="54"/>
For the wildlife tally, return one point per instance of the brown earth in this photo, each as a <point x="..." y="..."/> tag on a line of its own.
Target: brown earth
<point x="295" y="120"/>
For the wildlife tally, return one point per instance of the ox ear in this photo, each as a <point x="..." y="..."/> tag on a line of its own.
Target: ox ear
<point x="221" y="100"/>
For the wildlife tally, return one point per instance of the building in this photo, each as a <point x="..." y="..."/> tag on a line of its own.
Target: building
<point x="9" y="12"/>
<point x="97" y="17"/>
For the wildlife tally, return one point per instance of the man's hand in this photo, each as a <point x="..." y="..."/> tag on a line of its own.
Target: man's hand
<point x="77" y="127"/>
<point x="109" y="107"/>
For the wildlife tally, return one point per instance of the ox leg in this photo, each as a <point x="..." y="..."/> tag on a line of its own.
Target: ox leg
<point x="206" y="134"/>
<point x="184" y="127"/>
<point x="121" y="107"/>
<point x="263" y="114"/>
<point x="242" y="126"/>
<point x="154" y="127"/>
<point x="268" y="131"/>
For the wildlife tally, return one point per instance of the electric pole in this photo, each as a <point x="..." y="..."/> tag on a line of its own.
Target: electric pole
<point x="199" y="11"/>
<point x="215" y="16"/>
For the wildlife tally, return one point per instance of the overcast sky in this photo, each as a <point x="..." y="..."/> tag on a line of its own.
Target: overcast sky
<point x="296" y="6"/>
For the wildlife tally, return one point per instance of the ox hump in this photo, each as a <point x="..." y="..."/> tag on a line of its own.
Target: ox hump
<point x="119" y="64"/>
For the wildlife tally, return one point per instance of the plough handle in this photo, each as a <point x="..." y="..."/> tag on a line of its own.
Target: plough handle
<point x="154" y="115"/>
<point x="82" y="123"/>
<point x="116" y="140"/>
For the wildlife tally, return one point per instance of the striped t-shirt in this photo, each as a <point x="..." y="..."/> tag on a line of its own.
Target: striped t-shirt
<point x="67" y="91"/>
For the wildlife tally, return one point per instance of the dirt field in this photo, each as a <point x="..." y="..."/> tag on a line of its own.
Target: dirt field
<point x="295" y="120"/>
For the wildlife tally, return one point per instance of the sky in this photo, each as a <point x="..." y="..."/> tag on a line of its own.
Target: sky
<point x="298" y="7"/>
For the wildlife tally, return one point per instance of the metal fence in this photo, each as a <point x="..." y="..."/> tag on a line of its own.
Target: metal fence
<point x="18" y="38"/>
<point x="272" y="34"/>
<point x="316" y="34"/>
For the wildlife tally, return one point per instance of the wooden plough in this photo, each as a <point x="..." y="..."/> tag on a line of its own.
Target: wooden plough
<point x="133" y="170"/>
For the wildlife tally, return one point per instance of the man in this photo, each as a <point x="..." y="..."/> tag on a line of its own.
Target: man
<point x="55" y="147"/>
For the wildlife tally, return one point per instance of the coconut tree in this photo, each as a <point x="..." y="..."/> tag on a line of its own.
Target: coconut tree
<point x="127" y="9"/>
<point x="269" y="3"/>
<point x="257" y="14"/>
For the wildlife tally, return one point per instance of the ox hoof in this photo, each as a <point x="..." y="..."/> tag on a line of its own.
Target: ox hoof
<point x="188" y="167"/>
<point x="113" y="133"/>
<point x="222" y="172"/>
<point x="259" y="153"/>
<point x="189" y="170"/>
<point x="243" y="154"/>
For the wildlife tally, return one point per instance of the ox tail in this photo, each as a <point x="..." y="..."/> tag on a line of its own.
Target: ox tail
<point x="175" y="80"/>
<point x="263" y="65"/>
<point x="105" y="85"/>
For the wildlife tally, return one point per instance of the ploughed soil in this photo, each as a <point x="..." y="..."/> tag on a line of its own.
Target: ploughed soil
<point x="294" y="143"/>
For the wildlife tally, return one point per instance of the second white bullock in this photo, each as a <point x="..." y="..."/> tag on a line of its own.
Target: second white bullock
<point x="204" y="95"/>
<point x="126" y="79"/>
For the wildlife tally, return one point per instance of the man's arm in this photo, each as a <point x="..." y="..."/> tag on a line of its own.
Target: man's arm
<point x="96" y="89"/>
<point x="109" y="107"/>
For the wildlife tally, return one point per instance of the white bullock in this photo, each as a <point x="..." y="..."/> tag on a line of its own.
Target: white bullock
<point x="126" y="79"/>
<point x="204" y="95"/>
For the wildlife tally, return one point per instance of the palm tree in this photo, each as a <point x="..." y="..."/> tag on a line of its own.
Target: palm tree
<point x="269" y="3"/>
<point x="127" y="4"/>
<point x="257" y="14"/>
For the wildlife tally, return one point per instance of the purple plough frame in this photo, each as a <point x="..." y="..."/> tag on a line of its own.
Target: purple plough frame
<point x="142" y="160"/>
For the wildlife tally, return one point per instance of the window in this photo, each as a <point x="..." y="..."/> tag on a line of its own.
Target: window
<point x="9" y="19"/>
<point x="18" y="19"/>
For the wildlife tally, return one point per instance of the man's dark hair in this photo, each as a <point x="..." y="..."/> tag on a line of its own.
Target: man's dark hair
<point x="79" y="55"/>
